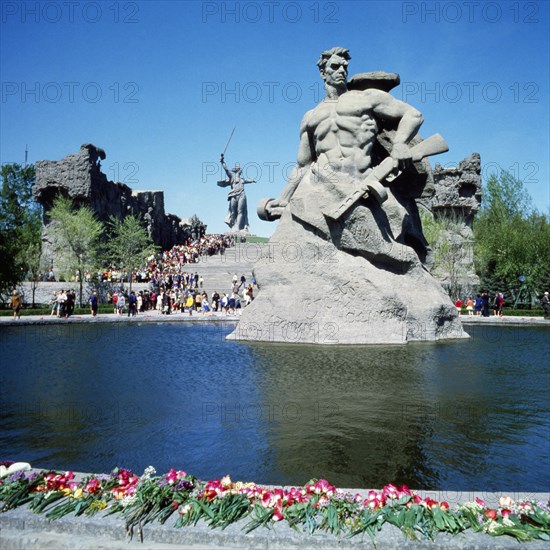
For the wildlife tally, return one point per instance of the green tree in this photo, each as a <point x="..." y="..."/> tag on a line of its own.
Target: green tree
<point x="77" y="234"/>
<point x="505" y="197"/>
<point x="30" y="253"/>
<point x="511" y="239"/>
<point x="451" y="245"/>
<point x="20" y="226"/>
<point x="129" y="245"/>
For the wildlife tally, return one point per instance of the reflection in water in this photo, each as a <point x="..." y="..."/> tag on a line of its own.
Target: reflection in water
<point x="347" y="412"/>
<point x="457" y="415"/>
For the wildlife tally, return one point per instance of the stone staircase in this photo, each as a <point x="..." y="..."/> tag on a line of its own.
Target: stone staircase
<point x="218" y="270"/>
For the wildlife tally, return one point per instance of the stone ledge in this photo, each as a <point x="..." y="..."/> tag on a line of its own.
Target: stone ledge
<point x="152" y="317"/>
<point x="21" y="529"/>
<point x="217" y="317"/>
<point x="508" y="321"/>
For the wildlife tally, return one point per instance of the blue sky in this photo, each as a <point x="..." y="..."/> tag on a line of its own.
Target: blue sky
<point x="160" y="86"/>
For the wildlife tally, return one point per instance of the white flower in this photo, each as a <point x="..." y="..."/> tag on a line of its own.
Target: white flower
<point x="15" y="467"/>
<point x="127" y="500"/>
<point x="506" y="502"/>
<point x="185" y="509"/>
<point x="148" y="472"/>
<point x="526" y="508"/>
<point x="474" y="506"/>
<point x="491" y="526"/>
<point x="507" y="521"/>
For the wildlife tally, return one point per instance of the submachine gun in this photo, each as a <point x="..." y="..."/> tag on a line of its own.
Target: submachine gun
<point x="372" y="185"/>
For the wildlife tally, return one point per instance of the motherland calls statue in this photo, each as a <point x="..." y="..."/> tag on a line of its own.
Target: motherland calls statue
<point x="346" y="263"/>
<point x="237" y="215"/>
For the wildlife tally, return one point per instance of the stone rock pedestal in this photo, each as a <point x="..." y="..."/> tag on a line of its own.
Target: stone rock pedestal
<point x="311" y="292"/>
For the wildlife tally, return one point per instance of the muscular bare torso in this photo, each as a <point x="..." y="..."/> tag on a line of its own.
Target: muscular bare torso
<point x="343" y="130"/>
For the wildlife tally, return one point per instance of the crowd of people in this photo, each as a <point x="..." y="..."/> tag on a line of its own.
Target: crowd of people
<point x="170" y="262"/>
<point x="184" y="294"/>
<point x="63" y="303"/>
<point x="482" y="304"/>
<point x="171" y="293"/>
<point x="175" y="287"/>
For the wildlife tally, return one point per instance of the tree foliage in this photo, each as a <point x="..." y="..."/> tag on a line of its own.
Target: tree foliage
<point x="129" y="245"/>
<point x="450" y="251"/>
<point x="77" y="235"/>
<point x="511" y="239"/>
<point x="20" y="226"/>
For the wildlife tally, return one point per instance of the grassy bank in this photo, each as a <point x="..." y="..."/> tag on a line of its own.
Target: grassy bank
<point x="256" y="239"/>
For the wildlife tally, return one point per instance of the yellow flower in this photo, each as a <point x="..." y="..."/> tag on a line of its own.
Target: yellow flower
<point x="78" y="493"/>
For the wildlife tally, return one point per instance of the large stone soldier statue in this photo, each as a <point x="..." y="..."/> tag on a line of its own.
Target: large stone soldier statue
<point x="338" y="186"/>
<point x="349" y="209"/>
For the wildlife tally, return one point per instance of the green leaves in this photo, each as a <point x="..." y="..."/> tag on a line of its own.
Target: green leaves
<point x="20" y="226"/>
<point x="77" y="235"/>
<point x="260" y="517"/>
<point x="15" y="494"/>
<point x="78" y="232"/>
<point x="223" y="512"/>
<point x="451" y="245"/>
<point x="129" y="245"/>
<point x="448" y="522"/>
<point x="16" y="202"/>
<point x="511" y="239"/>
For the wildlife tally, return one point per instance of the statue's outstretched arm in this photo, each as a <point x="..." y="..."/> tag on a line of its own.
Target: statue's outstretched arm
<point x="224" y="166"/>
<point x="410" y="120"/>
<point x="304" y="160"/>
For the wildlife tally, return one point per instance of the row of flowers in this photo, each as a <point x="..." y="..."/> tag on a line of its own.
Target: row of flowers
<point x="316" y="506"/>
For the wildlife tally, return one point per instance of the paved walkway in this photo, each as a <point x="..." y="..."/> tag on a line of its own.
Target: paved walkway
<point x="149" y="316"/>
<point x="505" y="320"/>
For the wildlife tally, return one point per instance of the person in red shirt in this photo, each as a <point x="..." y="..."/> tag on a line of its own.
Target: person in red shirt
<point x="458" y="305"/>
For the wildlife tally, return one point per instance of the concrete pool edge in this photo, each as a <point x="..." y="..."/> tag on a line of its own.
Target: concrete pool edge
<point x="112" y="318"/>
<point x="20" y="528"/>
<point x="216" y="317"/>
